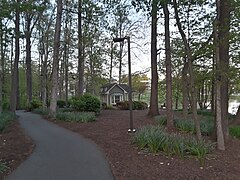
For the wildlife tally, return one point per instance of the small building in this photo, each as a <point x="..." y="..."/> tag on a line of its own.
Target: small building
<point x="113" y="93"/>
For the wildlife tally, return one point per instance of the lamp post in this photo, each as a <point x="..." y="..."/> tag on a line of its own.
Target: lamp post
<point x="130" y="130"/>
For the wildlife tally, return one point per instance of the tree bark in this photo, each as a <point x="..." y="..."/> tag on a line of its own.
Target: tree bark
<point x="14" y="86"/>
<point x="224" y="35"/>
<point x="80" y="52"/>
<point x="191" y="73"/>
<point x="153" y="110"/>
<point x="53" y="103"/>
<point x="168" y="68"/>
<point x="185" y="89"/>
<point x="28" y="60"/>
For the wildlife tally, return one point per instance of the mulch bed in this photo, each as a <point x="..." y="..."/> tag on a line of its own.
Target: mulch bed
<point x="109" y="132"/>
<point x="15" y="147"/>
<point x="128" y="163"/>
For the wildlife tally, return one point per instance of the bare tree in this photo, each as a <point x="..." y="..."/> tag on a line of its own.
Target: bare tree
<point x="191" y="72"/>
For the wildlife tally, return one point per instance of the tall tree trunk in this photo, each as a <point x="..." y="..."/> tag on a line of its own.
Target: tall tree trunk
<point x="168" y="68"/>
<point x="191" y="73"/>
<point x="80" y="52"/>
<point x="14" y="86"/>
<point x="185" y="89"/>
<point x="120" y="61"/>
<point x="1" y="67"/>
<point x="153" y="110"/>
<point x="53" y="103"/>
<point x="111" y="63"/>
<point x="218" y="83"/>
<point x="28" y="60"/>
<point x="224" y="35"/>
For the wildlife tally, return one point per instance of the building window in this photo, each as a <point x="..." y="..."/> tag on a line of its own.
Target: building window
<point x="115" y="98"/>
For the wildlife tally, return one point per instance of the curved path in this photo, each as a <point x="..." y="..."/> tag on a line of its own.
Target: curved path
<point x="59" y="154"/>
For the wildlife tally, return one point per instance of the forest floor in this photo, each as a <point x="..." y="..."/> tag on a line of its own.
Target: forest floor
<point x="109" y="132"/>
<point x="15" y="147"/>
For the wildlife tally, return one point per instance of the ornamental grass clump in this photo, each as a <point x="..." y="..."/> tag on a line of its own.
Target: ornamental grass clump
<point x="76" y="116"/>
<point x="234" y="131"/>
<point x="155" y="139"/>
<point x="185" y="125"/>
<point x="161" y="120"/>
<point x="198" y="148"/>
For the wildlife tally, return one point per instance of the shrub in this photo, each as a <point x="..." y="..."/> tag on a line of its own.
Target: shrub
<point x="41" y="111"/>
<point x="123" y="105"/>
<point x="76" y="116"/>
<point x="139" y="105"/>
<point x="86" y="103"/>
<point x="235" y="131"/>
<point x="5" y="119"/>
<point x="161" y="120"/>
<point x="61" y="103"/>
<point x="207" y="127"/>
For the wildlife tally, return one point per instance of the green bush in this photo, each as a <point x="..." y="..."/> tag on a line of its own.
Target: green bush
<point x="234" y="131"/>
<point x="207" y="127"/>
<point x="87" y="103"/>
<point x="5" y="119"/>
<point x="61" y="103"/>
<point x="161" y="120"/>
<point x="41" y="111"/>
<point x="139" y="105"/>
<point x="76" y="116"/>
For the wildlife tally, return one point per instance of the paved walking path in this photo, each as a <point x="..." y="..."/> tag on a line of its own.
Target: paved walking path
<point x="59" y="154"/>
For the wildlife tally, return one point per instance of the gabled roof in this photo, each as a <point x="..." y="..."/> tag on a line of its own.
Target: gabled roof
<point x="107" y="87"/>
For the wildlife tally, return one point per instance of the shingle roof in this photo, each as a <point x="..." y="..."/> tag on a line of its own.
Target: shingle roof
<point x="105" y="88"/>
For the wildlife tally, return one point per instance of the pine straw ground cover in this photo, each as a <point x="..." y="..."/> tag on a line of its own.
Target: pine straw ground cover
<point x="128" y="162"/>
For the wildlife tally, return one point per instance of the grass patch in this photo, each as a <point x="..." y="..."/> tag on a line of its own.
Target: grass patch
<point x="5" y="119"/>
<point x="234" y="131"/>
<point x="161" y="120"/>
<point x="155" y="139"/>
<point x="76" y="116"/>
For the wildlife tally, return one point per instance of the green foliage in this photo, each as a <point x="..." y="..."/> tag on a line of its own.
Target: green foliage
<point x="41" y="111"/>
<point x="87" y="103"/>
<point x="205" y="113"/>
<point x="139" y="105"/>
<point x="35" y="104"/>
<point x="76" y="116"/>
<point x="5" y="119"/>
<point x="61" y="103"/>
<point x="234" y="131"/>
<point x="161" y="120"/>
<point x="3" y="167"/>
<point x="155" y="139"/>
<point x="136" y="105"/>
<point x="206" y="126"/>
<point x="198" y="148"/>
<point x="185" y="125"/>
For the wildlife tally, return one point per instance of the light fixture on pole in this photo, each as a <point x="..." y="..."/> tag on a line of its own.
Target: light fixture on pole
<point x="130" y="130"/>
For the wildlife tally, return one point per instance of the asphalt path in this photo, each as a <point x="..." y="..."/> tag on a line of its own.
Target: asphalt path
<point x="59" y="154"/>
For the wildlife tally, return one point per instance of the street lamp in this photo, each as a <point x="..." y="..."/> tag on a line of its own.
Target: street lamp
<point x="130" y="130"/>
